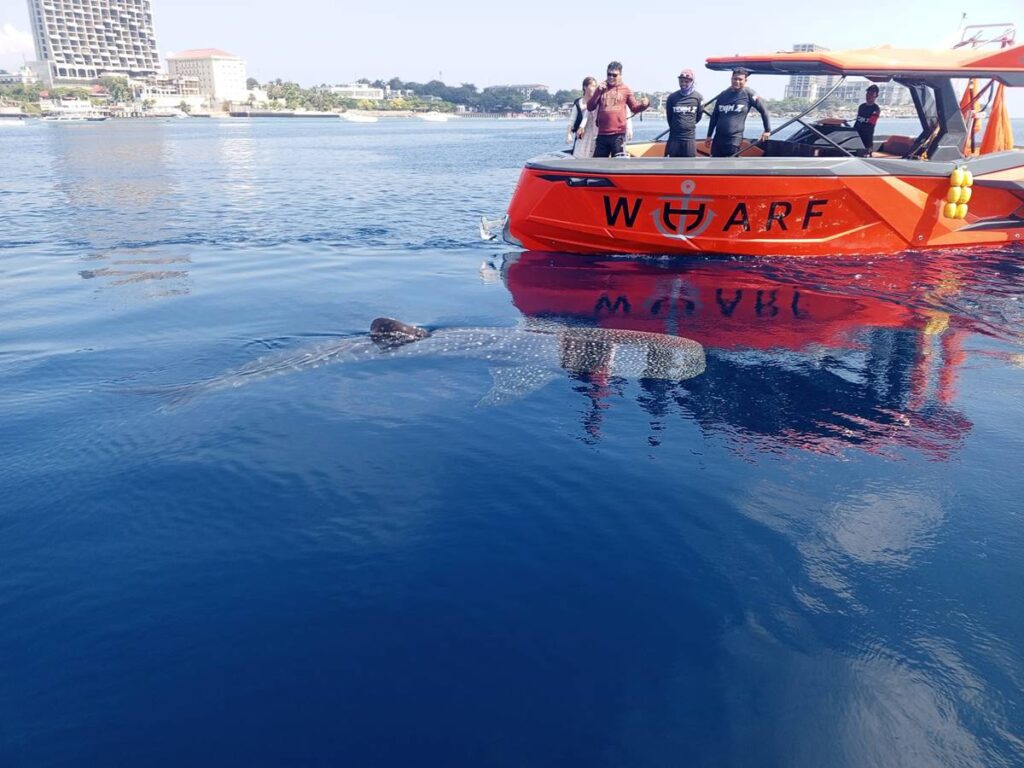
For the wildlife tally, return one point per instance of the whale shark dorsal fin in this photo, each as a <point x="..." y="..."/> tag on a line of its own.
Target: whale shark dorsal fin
<point x="387" y="333"/>
<point x="511" y="384"/>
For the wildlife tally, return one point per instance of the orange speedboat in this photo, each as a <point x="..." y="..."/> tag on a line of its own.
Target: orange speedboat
<point x="817" y="192"/>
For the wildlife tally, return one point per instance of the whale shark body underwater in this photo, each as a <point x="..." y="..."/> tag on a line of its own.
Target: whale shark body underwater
<point x="521" y="360"/>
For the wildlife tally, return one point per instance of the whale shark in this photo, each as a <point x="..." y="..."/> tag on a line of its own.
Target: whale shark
<point x="521" y="360"/>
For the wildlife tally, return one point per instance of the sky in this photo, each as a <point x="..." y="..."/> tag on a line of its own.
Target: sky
<point x="531" y="41"/>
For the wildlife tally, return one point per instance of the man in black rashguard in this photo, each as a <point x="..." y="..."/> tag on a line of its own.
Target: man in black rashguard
<point x="867" y="116"/>
<point x="683" y="109"/>
<point x="730" y="115"/>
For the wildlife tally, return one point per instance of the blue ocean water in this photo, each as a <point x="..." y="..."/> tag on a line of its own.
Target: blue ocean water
<point x="807" y="555"/>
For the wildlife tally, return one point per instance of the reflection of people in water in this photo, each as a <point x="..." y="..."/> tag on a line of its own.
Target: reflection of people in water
<point x="596" y="363"/>
<point x="589" y="363"/>
<point x="812" y="359"/>
<point x="829" y="404"/>
<point x="656" y="400"/>
<point x="812" y="405"/>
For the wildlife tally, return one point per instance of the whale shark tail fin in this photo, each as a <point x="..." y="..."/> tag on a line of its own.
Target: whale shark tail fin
<point x="512" y="384"/>
<point x="388" y="333"/>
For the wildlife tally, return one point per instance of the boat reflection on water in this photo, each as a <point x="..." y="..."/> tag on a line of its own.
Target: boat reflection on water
<point x="822" y="356"/>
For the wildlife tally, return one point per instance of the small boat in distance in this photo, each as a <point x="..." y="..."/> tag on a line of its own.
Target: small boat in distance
<point x="816" y="191"/>
<point x="75" y="118"/>
<point x="433" y="117"/>
<point x="358" y="117"/>
<point x="167" y="113"/>
<point x="70" y="110"/>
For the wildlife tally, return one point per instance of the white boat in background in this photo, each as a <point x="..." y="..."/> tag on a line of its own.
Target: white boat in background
<point x="73" y="118"/>
<point x="169" y="113"/>
<point x="70" y="111"/>
<point x="433" y="117"/>
<point x="358" y="117"/>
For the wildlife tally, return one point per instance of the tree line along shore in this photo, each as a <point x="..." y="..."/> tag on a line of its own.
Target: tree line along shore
<point x="405" y="97"/>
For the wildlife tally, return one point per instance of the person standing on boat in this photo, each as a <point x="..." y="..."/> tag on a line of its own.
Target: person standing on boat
<point x="730" y="115"/>
<point x="683" y="109"/>
<point x="867" y="117"/>
<point x="583" y="122"/>
<point x="610" y="101"/>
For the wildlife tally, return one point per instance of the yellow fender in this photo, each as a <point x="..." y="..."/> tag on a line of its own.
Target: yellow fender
<point x="958" y="194"/>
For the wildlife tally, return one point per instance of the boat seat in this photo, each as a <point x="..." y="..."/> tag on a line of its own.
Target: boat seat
<point x="896" y="146"/>
<point x="657" y="149"/>
<point x="646" y="149"/>
<point x="745" y="149"/>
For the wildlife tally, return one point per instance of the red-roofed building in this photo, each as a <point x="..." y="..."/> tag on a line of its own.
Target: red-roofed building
<point x="221" y="75"/>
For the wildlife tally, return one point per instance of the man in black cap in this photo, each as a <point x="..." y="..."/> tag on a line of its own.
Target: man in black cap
<point x="867" y="117"/>
<point x="731" y="109"/>
<point x="683" y="109"/>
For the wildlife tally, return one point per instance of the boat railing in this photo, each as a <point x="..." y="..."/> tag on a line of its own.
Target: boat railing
<point x="981" y="35"/>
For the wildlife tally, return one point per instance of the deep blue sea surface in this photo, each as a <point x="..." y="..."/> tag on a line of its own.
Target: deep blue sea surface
<point x="809" y="554"/>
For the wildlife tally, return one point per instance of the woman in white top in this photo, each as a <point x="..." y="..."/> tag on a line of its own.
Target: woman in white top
<point x="582" y="130"/>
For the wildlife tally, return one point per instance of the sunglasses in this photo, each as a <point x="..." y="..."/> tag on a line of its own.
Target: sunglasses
<point x="683" y="77"/>
<point x="613" y="74"/>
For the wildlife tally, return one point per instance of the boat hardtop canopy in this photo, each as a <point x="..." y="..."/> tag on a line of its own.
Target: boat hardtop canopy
<point x="886" y="63"/>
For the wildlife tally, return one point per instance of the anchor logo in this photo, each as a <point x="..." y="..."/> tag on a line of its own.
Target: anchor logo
<point x="688" y="218"/>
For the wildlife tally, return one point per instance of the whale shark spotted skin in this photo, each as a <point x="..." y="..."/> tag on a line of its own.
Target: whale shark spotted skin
<point x="521" y="360"/>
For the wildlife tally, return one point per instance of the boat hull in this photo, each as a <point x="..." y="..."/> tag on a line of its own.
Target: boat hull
<point x="761" y="206"/>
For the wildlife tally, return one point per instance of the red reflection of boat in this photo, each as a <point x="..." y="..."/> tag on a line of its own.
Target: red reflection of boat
<point x="818" y="354"/>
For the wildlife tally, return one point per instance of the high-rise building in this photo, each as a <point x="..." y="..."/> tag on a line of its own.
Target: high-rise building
<point x="808" y="87"/>
<point x="81" y="40"/>
<point x="889" y="94"/>
<point x="813" y="87"/>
